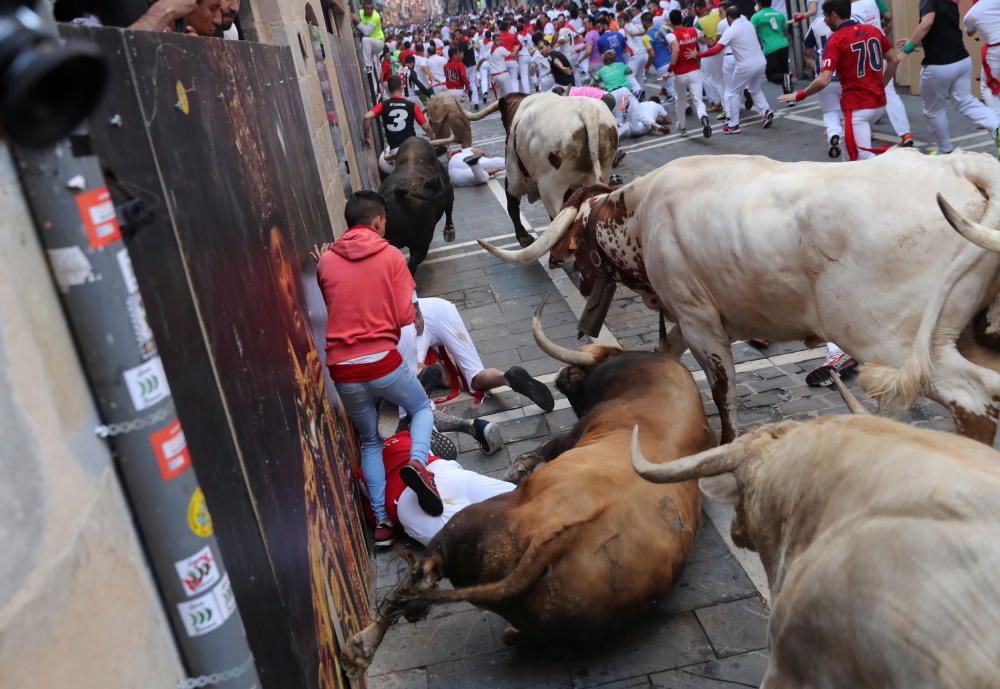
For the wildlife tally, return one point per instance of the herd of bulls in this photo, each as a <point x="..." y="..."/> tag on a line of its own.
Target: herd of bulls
<point x="879" y="540"/>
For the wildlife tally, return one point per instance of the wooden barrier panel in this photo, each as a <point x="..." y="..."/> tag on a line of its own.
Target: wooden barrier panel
<point x="211" y="137"/>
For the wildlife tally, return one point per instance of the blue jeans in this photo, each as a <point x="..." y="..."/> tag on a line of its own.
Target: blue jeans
<point x="402" y="388"/>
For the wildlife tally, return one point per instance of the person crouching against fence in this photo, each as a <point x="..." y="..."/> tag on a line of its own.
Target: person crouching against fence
<point x="370" y="296"/>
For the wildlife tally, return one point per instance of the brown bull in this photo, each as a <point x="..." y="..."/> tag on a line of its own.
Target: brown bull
<point x="448" y="117"/>
<point x="583" y="545"/>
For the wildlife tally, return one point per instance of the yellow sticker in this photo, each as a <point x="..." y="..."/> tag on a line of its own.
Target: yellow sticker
<point x="182" y="98"/>
<point x="199" y="520"/>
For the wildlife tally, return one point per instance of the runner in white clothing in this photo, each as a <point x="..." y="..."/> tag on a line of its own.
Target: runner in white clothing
<point x="867" y="12"/>
<point x="748" y="69"/>
<point x="502" y="83"/>
<point x="829" y="98"/>
<point x="435" y="65"/>
<point x="470" y="167"/>
<point x="984" y="18"/>
<point x="635" y="34"/>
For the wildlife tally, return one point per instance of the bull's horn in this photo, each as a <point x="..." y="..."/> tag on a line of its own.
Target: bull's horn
<point x="986" y="237"/>
<point x="442" y="142"/>
<point x="552" y="234"/>
<point x="849" y="399"/>
<point x="476" y="116"/>
<point x="573" y="357"/>
<point x="718" y="460"/>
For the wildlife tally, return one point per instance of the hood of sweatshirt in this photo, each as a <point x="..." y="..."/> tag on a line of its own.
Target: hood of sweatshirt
<point x="359" y="243"/>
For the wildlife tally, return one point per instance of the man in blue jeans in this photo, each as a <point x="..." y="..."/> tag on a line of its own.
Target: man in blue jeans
<point x="370" y="296"/>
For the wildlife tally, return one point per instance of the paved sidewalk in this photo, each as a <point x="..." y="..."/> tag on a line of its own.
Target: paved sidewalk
<point x="710" y="632"/>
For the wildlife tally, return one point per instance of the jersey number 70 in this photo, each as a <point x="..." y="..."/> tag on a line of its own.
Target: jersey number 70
<point x="869" y="55"/>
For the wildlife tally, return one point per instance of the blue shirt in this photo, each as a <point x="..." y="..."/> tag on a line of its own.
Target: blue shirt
<point x="660" y="44"/>
<point x="612" y="40"/>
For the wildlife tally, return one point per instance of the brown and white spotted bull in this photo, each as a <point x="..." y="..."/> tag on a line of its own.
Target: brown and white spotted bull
<point x="880" y="545"/>
<point x="448" y="117"/>
<point x="554" y="144"/>
<point x="806" y="251"/>
<point x="582" y="545"/>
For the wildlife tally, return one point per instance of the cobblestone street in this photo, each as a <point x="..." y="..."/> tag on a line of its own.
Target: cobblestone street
<point x="710" y="632"/>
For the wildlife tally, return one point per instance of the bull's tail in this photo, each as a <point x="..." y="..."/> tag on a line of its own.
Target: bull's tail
<point x="536" y="559"/>
<point x="594" y="145"/>
<point x="898" y="388"/>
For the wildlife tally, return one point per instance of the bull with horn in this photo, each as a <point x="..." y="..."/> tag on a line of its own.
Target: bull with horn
<point x="448" y="117"/>
<point x="580" y="528"/>
<point x="879" y="543"/>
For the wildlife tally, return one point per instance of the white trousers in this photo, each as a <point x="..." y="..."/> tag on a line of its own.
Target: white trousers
<point x="829" y="103"/>
<point x="384" y="165"/>
<point x="459" y="96"/>
<point x="546" y="83"/>
<point x="473" y="84"/>
<point x="523" y="77"/>
<point x="686" y="84"/>
<point x="371" y="50"/>
<point x="894" y="108"/>
<point x="629" y="119"/>
<point x="749" y="77"/>
<point x="503" y="84"/>
<point x="458" y="487"/>
<point x="515" y="85"/>
<point x="484" y="79"/>
<point x="938" y="84"/>
<point x="728" y="65"/>
<point x="711" y="70"/>
<point x="465" y="175"/>
<point x="637" y="63"/>
<point x="858" y="134"/>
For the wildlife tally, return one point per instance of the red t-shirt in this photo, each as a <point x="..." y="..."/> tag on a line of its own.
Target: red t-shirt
<point x="395" y="455"/>
<point x="687" y="38"/>
<point x="454" y="75"/>
<point x="403" y="54"/>
<point x="510" y="42"/>
<point x="856" y="53"/>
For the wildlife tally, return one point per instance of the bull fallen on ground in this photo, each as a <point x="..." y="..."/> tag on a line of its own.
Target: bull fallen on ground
<point x="583" y="546"/>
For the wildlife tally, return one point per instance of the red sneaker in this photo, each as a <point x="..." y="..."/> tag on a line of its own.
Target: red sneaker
<point x="726" y="129"/>
<point x="385" y="531"/>
<point x="906" y="140"/>
<point x="416" y="476"/>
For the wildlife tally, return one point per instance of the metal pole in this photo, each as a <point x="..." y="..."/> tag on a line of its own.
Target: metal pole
<point x="78" y="225"/>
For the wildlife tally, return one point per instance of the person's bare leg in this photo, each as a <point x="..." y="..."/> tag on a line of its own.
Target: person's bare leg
<point x="486" y="433"/>
<point x="487" y="379"/>
<point x="519" y="380"/>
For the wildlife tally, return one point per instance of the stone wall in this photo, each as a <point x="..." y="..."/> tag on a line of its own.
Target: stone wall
<point x="77" y="604"/>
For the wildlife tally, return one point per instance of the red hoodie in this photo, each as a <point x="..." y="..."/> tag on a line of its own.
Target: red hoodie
<point x="368" y="292"/>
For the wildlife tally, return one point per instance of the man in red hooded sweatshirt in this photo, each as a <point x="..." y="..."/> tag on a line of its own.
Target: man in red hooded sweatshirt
<point x="370" y="296"/>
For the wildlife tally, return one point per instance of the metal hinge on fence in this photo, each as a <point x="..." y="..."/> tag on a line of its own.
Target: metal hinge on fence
<point x="216" y="677"/>
<point x="112" y="429"/>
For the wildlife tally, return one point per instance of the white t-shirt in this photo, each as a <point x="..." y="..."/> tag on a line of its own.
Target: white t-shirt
<point x="446" y="33"/>
<point x="668" y="5"/>
<point x="435" y="63"/>
<point x="577" y="25"/>
<point x="866" y="12"/>
<point x="781" y="7"/>
<point x="543" y="68"/>
<point x="634" y="41"/>
<point x="484" y="51"/>
<point x="741" y="37"/>
<point x="984" y="17"/>
<point x="419" y="62"/>
<point x="497" y="60"/>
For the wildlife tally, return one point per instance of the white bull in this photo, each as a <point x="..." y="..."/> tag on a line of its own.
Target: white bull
<point x="554" y="144"/>
<point x="880" y="545"/>
<point x="855" y="253"/>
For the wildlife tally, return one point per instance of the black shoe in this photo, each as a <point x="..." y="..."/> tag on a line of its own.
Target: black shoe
<point x="786" y="83"/>
<point x="706" y="127"/>
<point x="487" y="434"/>
<point x="616" y="180"/>
<point x="820" y="376"/>
<point x="619" y="157"/>
<point x="471" y="160"/>
<point x="430" y="377"/>
<point x="441" y="446"/>
<point x="834" y="151"/>
<point x="747" y="100"/>
<point x="536" y="391"/>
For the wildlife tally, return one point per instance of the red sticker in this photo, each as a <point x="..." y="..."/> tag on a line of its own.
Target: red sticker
<point x="171" y="450"/>
<point x="99" y="219"/>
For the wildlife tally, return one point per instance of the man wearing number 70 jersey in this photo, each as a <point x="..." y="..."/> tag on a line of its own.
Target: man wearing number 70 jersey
<point x="863" y="58"/>
<point x="398" y="116"/>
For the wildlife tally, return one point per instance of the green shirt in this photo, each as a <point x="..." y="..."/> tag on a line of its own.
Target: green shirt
<point x="375" y="19"/>
<point x="613" y="76"/>
<point x="771" y="25"/>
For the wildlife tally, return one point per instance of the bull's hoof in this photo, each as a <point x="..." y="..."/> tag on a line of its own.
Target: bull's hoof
<point x="524" y="239"/>
<point x="449" y="233"/>
<point x="510" y="636"/>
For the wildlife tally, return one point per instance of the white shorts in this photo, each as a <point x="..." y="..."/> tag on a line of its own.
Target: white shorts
<point x="458" y="487"/>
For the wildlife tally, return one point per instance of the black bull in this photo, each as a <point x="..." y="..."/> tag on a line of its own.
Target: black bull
<point x="417" y="194"/>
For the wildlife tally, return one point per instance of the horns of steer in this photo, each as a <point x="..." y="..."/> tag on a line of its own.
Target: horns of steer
<point x="476" y="116"/>
<point x="849" y="399"/>
<point x="566" y="355"/>
<point x="986" y="237"/>
<point x="718" y="460"/>
<point x="548" y="239"/>
<point x="442" y="142"/>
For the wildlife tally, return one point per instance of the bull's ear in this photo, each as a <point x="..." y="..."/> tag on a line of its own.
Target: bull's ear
<point x="724" y="488"/>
